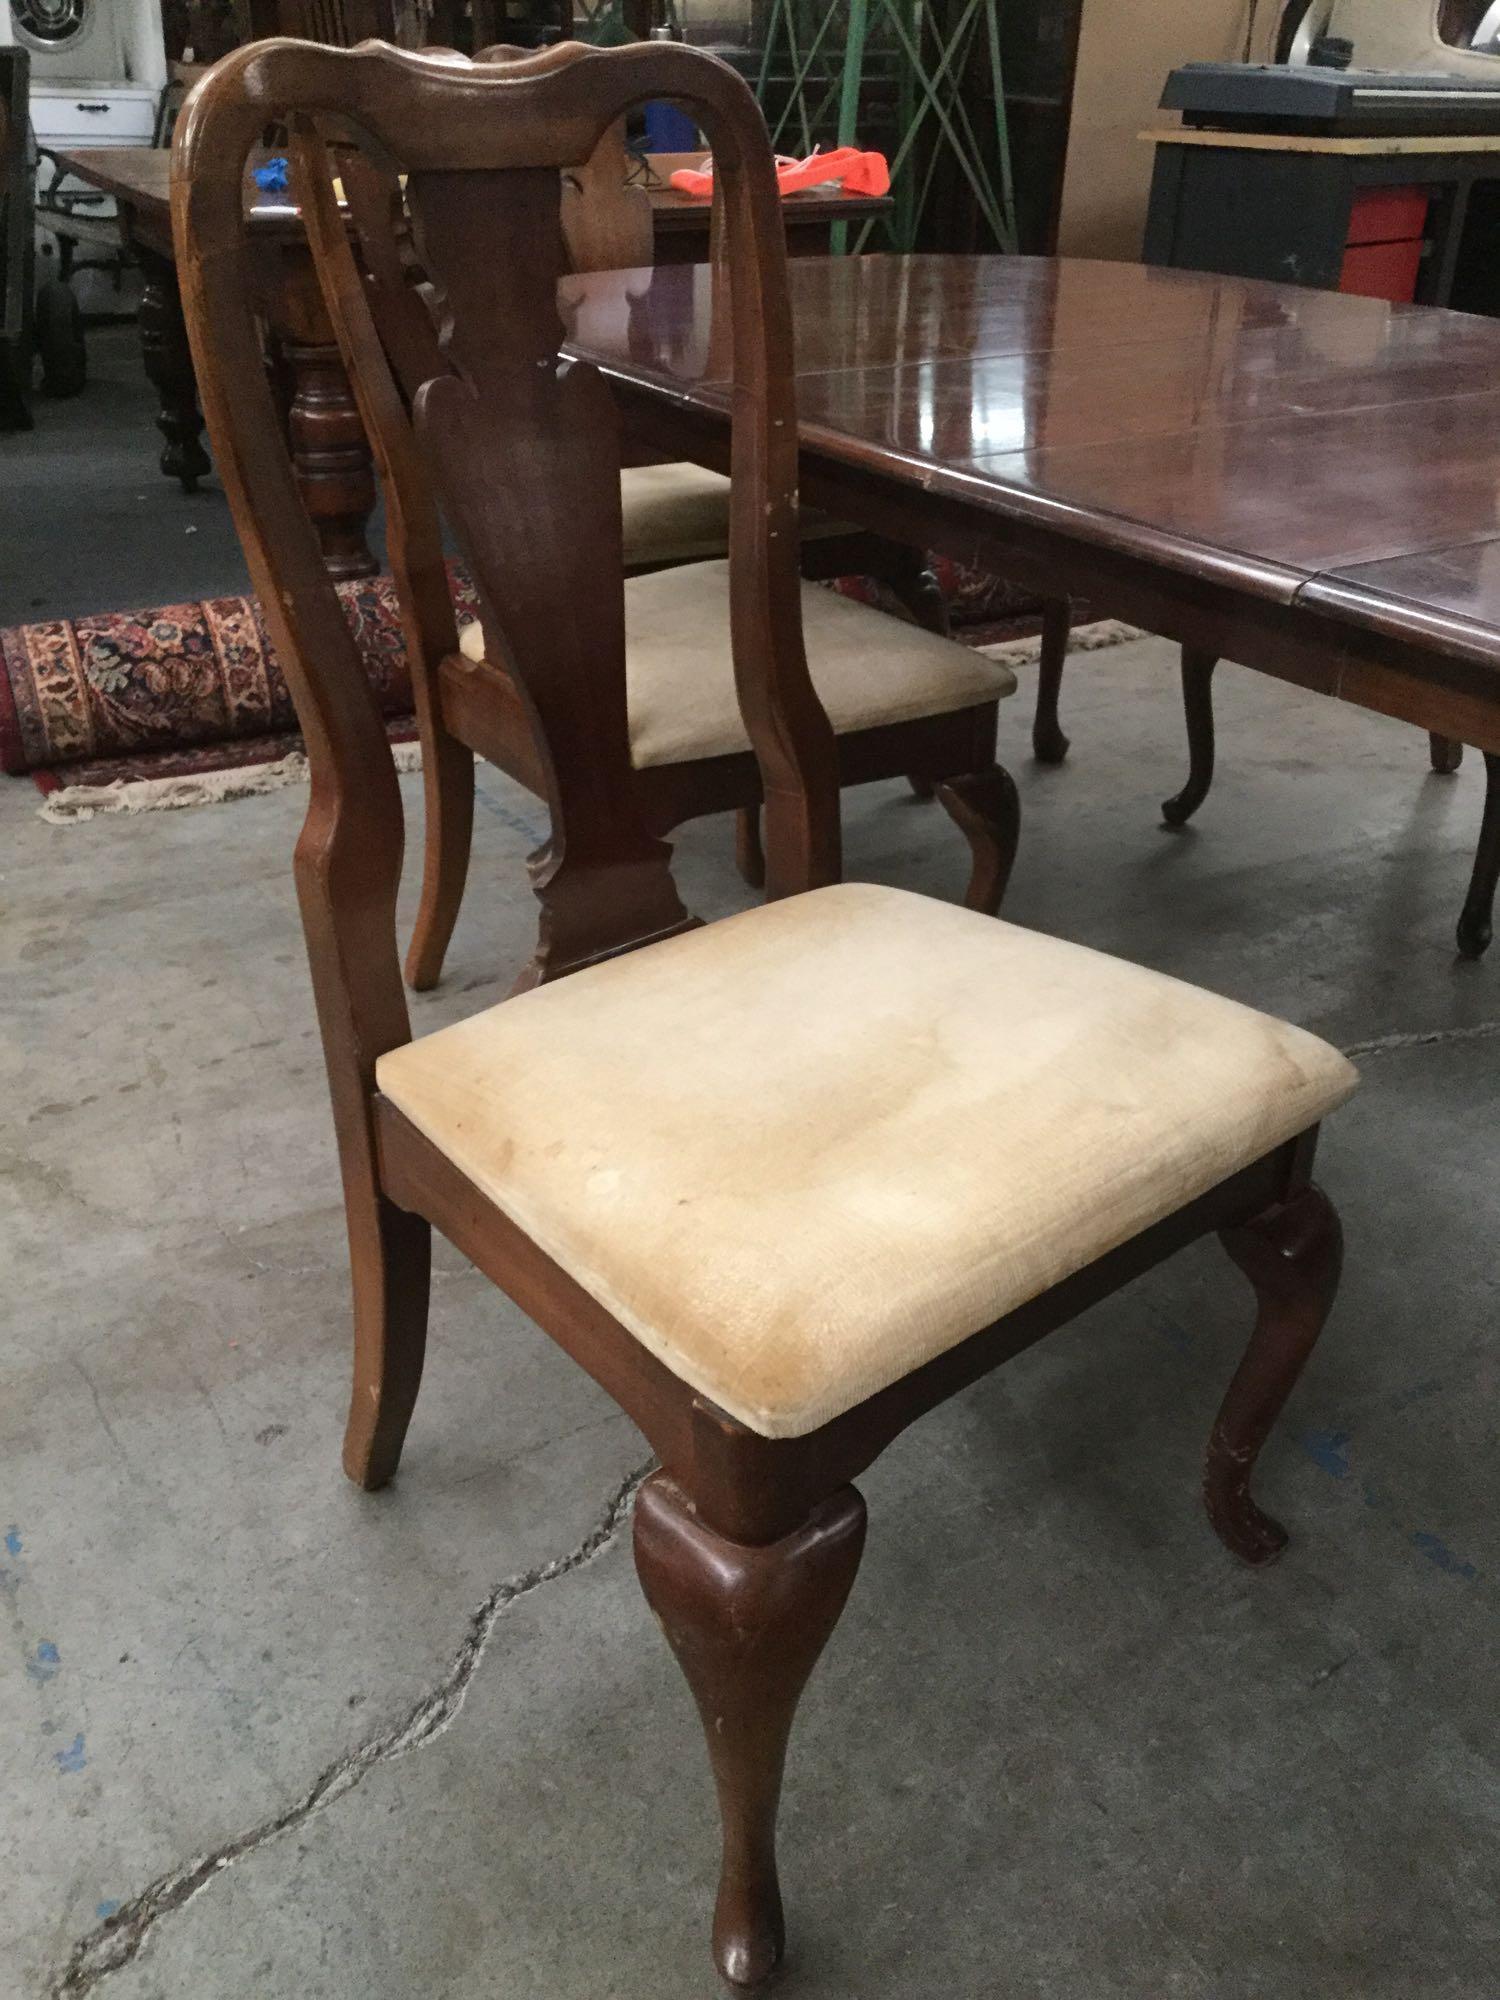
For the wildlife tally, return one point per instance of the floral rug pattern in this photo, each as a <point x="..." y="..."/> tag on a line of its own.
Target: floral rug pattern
<point x="182" y="687"/>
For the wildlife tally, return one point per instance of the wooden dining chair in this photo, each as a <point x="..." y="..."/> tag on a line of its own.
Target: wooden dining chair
<point x="925" y="710"/>
<point x="780" y="1183"/>
<point x="1475" y="926"/>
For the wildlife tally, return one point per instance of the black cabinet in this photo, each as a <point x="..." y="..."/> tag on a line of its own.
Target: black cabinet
<point x="1390" y="218"/>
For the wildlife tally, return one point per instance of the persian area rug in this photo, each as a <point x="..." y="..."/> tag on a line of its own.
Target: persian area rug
<point x="186" y="690"/>
<point x="185" y="705"/>
<point x="68" y="804"/>
<point x="179" y="691"/>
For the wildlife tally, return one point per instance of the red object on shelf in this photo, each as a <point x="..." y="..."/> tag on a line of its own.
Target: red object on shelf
<point x="1382" y="271"/>
<point x="1388" y="215"/>
<point x="857" y="172"/>
<point x="1383" y="256"/>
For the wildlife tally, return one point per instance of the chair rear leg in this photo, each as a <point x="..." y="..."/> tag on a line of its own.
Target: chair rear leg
<point x="1291" y="1255"/>
<point x="1475" y="924"/>
<point x="747" y="1626"/>
<point x="986" y="809"/>
<point x="749" y="854"/>
<point x="1048" y="744"/>
<point x="1198" y="707"/>
<point x="392" y="1275"/>
<point x="1446" y="752"/>
<point x="448" y="796"/>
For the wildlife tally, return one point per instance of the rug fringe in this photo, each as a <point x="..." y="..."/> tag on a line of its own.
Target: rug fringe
<point x="1082" y="639"/>
<point x="70" y="804"/>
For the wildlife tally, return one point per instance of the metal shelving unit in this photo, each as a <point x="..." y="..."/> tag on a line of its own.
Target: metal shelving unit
<point x="839" y="71"/>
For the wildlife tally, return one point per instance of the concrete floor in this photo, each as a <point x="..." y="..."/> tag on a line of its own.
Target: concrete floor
<point x="89" y="524"/>
<point x="262" y="1736"/>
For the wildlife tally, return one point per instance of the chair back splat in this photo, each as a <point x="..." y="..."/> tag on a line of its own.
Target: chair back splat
<point x="522" y="444"/>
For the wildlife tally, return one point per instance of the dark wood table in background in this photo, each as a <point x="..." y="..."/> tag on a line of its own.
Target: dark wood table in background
<point x="1302" y="482"/>
<point x="329" y="449"/>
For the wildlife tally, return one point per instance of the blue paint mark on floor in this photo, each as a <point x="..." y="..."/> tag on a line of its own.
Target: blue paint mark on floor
<point x="1328" y="1450"/>
<point x="45" y="1662"/>
<point x="514" y="820"/>
<point x="107" y="1908"/>
<point x="1417" y="1393"/>
<point x="72" y="1759"/>
<point x="1175" y="1335"/>
<point x="13" y="1541"/>
<point x="1442" y="1557"/>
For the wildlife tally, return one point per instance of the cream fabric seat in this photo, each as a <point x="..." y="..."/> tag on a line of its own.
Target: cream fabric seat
<point x="800" y="1152"/>
<point x="868" y="667"/>
<point x="679" y="513"/>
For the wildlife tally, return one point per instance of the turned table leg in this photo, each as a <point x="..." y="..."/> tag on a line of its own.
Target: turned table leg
<point x="169" y="368"/>
<point x="331" y="457"/>
<point x="330" y="452"/>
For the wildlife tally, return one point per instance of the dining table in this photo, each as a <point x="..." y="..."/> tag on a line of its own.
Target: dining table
<point x="330" y="453"/>
<point x="1303" y="482"/>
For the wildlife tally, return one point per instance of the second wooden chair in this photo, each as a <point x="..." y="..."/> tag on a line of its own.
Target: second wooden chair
<point x="904" y="701"/>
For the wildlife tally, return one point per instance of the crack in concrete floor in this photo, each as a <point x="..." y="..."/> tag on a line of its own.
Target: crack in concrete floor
<point x="1422" y="1038"/>
<point x="116" y="1942"/>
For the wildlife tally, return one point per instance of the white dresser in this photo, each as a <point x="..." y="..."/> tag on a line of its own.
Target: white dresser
<point x="97" y="68"/>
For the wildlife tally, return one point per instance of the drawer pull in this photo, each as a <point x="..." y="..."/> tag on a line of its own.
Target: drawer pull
<point x="91" y="107"/>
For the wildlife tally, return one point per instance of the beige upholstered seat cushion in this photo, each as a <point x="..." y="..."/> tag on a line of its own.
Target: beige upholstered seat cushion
<point x="802" y="1151"/>
<point x="673" y="513"/>
<point x="677" y="513"/>
<point x="868" y="667"/>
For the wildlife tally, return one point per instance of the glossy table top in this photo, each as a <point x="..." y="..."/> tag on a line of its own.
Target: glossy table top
<point x="1304" y="445"/>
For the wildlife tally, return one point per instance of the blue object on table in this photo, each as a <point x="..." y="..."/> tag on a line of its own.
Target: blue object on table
<point x="272" y="177"/>
<point x="669" y="130"/>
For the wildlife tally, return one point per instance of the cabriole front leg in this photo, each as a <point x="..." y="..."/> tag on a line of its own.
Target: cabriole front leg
<point x="747" y="1626"/>
<point x="986" y="809"/>
<point x="1292" y="1255"/>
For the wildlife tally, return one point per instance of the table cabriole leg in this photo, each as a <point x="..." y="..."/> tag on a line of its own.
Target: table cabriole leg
<point x="1475" y="924"/>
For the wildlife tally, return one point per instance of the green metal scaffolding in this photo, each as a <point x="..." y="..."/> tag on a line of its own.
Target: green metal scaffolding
<point x="819" y="55"/>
